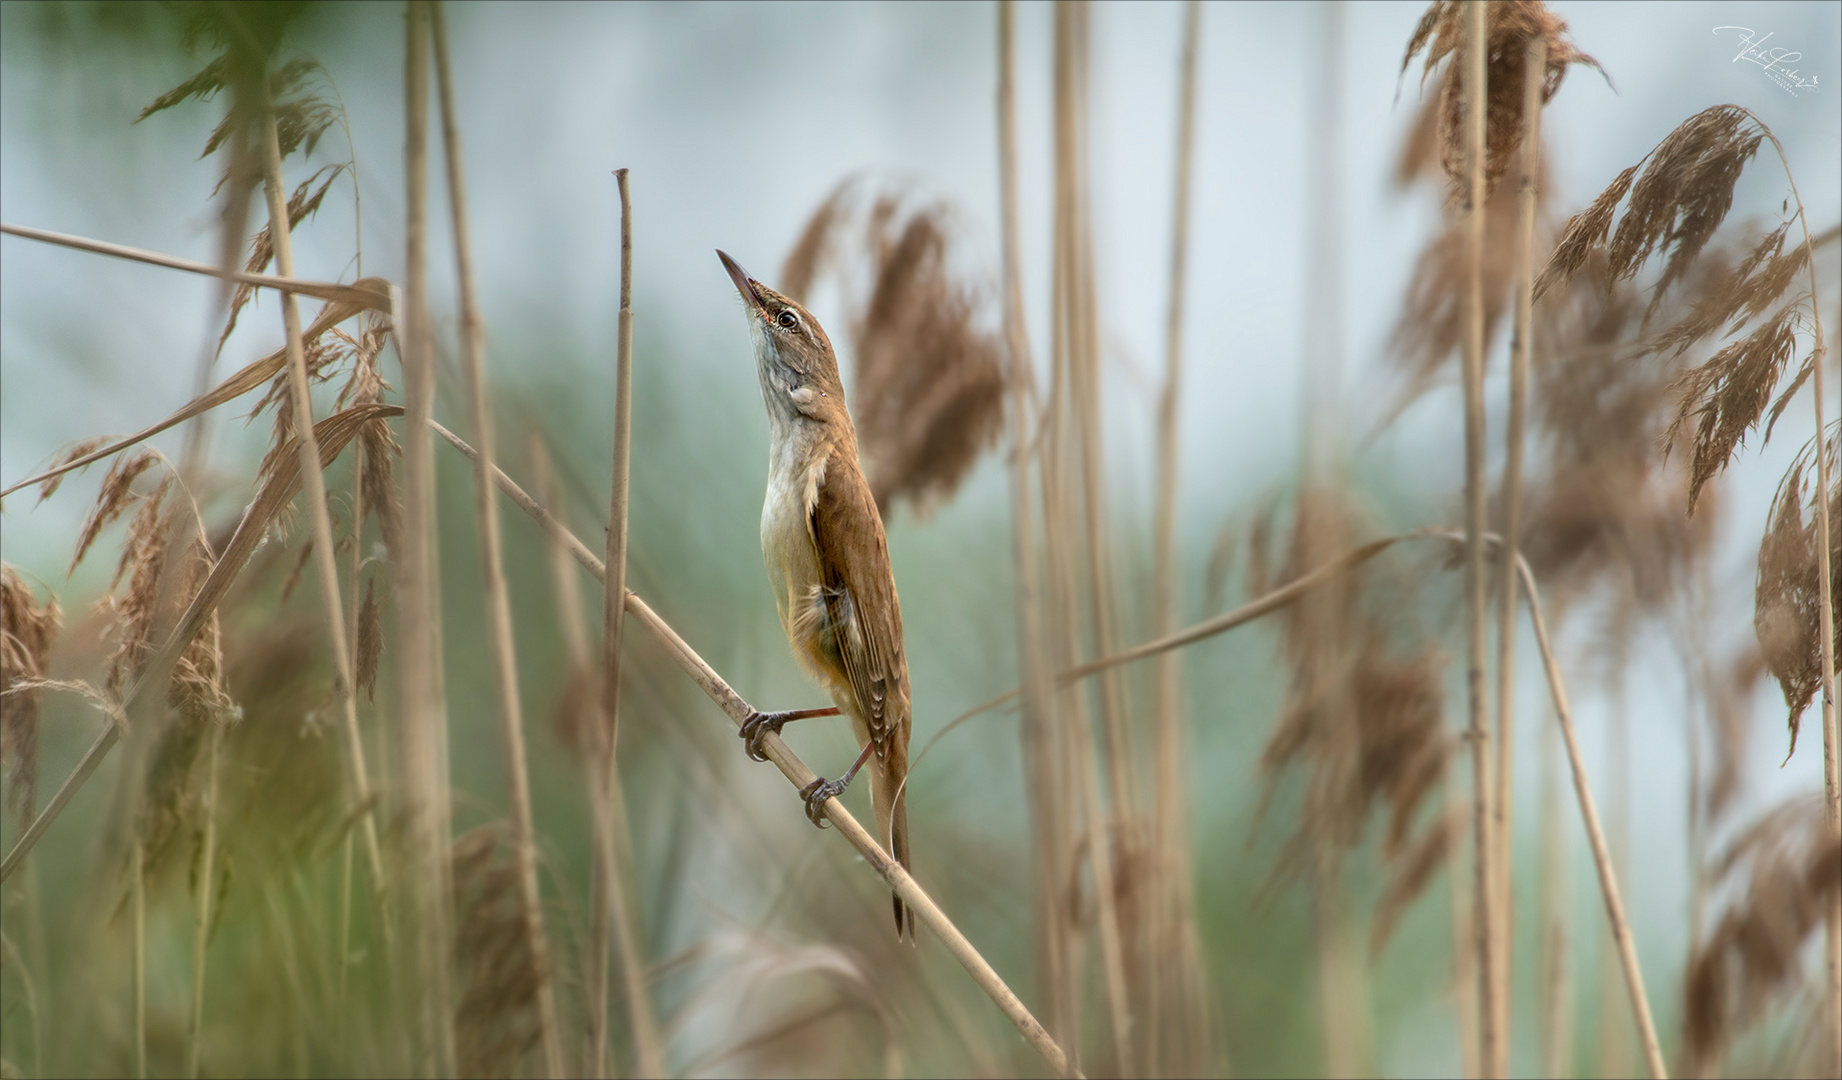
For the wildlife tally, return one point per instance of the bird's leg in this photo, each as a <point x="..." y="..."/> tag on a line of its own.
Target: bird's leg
<point x="821" y="789"/>
<point x="758" y="724"/>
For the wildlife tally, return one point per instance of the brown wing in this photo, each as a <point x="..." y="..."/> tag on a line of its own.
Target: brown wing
<point x="860" y="595"/>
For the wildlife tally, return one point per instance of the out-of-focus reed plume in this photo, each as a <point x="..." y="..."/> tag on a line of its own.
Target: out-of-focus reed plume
<point x="928" y="388"/>
<point x="27" y="632"/>
<point x="1787" y="598"/>
<point x="1784" y="871"/>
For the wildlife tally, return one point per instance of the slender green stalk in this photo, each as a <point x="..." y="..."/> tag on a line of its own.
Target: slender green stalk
<point x="139" y="869"/>
<point x="207" y="879"/>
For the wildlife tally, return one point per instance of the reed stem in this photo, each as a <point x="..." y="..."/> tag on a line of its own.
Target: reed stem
<point x="325" y="551"/>
<point x="1589" y="815"/>
<point x="796" y="773"/>
<point x="492" y="566"/>
<point x="648" y="1049"/>
<point x="422" y="708"/>
<point x="1492" y="1047"/>
<point x="1534" y="66"/>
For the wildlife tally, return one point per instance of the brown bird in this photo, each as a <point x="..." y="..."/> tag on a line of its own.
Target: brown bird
<point x="828" y="561"/>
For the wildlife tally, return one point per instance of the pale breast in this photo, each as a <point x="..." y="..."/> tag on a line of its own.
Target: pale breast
<point x="792" y="561"/>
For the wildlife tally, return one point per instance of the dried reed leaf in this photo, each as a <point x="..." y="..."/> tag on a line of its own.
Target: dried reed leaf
<point x="1787" y="593"/>
<point x="496" y="1020"/>
<point x="928" y="388"/>
<point x="27" y="631"/>
<point x="1790" y="865"/>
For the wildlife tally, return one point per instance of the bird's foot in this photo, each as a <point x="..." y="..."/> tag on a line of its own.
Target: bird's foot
<point x="815" y="795"/>
<point x="759" y="724"/>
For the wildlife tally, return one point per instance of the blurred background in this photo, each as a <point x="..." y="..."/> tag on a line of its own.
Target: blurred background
<point x="737" y="121"/>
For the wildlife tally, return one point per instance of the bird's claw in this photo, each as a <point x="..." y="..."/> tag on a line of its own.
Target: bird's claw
<point x="755" y="729"/>
<point x="815" y="795"/>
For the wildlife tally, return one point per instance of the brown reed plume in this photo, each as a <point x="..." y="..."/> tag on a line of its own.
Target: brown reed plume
<point x="1789" y="866"/>
<point x="496" y="1018"/>
<point x="1512" y="24"/>
<point x="928" y="385"/>
<point x="1788" y="596"/>
<point x="27" y="632"/>
<point x="1364" y="717"/>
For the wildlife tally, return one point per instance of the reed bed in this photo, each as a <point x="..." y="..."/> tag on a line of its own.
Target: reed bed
<point x="293" y="863"/>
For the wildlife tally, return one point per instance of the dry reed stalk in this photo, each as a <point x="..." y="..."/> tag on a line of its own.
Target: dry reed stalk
<point x="1168" y="907"/>
<point x="1528" y="198"/>
<point x="1556" y="1057"/>
<point x="201" y="926"/>
<point x="329" y="291"/>
<point x="1589" y="815"/>
<point x="492" y="566"/>
<point x="583" y="725"/>
<point x="1078" y="367"/>
<point x="307" y="447"/>
<point x="796" y="772"/>
<point x="139" y="900"/>
<point x="648" y="1048"/>
<point x="422" y="708"/>
<point x="1040" y="726"/>
<point x="1492" y="1044"/>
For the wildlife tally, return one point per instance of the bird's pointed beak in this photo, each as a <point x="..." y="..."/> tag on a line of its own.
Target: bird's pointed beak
<point x="744" y="284"/>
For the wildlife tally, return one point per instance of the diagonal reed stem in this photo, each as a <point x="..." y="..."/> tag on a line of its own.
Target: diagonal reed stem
<point x="284" y="283"/>
<point x="1595" y="834"/>
<point x="492" y="566"/>
<point x="325" y="566"/>
<point x="799" y="775"/>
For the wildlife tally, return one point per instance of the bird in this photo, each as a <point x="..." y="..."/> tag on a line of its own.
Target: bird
<point x="828" y="563"/>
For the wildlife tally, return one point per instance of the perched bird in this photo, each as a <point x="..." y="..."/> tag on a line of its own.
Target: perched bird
<point x="828" y="561"/>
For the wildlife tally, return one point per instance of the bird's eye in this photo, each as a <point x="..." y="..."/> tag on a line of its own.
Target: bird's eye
<point x="787" y="320"/>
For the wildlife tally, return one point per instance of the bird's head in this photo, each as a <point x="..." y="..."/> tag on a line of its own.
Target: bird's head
<point x="798" y="369"/>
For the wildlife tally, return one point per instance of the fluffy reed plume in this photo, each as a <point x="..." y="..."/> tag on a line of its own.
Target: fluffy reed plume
<point x="495" y="1021"/>
<point x="1787" y="598"/>
<point x="27" y="631"/>
<point x="1512" y="24"/>
<point x="1364" y="717"/>
<point x="928" y="387"/>
<point x="1603" y="510"/>
<point x="1790" y="868"/>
